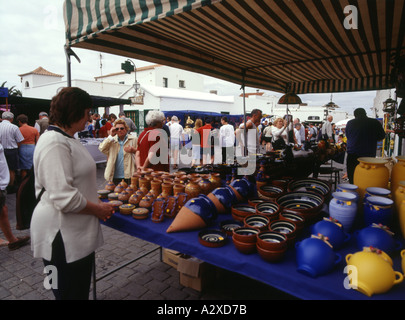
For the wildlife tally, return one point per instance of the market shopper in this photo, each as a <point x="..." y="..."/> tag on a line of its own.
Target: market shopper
<point x="152" y="149"/>
<point x="196" y="143"/>
<point x="27" y="147"/>
<point x="253" y="134"/>
<point x="65" y="227"/>
<point x="279" y="132"/>
<point x="42" y="123"/>
<point x="11" y="241"/>
<point x="176" y="131"/>
<point x="120" y="148"/>
<point x="130" y="123"/>
<point x="327" y="130"/>
<point x="205" y="141"/>
<point x="227" y="140"/>
<point x="10" y="137"/>
<point x="362" y="135"/>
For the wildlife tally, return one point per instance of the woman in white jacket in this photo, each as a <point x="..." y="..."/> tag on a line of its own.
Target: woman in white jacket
<point x="65" y="227"/>
<point x="120" y="148"/>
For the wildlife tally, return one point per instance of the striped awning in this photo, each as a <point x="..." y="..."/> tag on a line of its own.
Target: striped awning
<point x="313" y="46"/>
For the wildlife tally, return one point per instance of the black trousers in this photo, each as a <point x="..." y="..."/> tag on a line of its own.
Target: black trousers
<point x="73" y="278"/>
<point x="351" y="163"/>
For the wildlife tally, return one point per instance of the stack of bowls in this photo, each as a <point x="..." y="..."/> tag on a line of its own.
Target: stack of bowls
<point x="257" y="221"/>
<point x="271" y="245"/>
<point x="288" y="228"/>
<point x="240" y="211"/>
<point x="270" y="191"/>
<point x="269" y="209"/>
<point x="244" y="239"/>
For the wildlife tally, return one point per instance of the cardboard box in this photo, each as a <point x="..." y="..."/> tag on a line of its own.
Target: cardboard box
<point x="195" y="273"/>
<point x="171" y="257"/>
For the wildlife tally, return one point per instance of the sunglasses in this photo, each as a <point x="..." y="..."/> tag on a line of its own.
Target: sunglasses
<point x="120" y="128"/>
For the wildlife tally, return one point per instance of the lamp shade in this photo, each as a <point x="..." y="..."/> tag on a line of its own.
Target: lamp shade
<point x="290" y="98"/>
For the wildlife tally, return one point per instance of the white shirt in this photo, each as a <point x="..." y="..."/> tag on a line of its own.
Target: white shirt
<point x="227" y="135"/>
<point x="297" y="136"/>
<point x="10" y="135"/>
<point x="68" y="172"/>
<point x="4" y="173"/>
<point x="176" y="130"/>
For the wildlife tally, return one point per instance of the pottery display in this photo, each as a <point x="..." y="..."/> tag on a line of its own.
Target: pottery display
<point x="167" y="189"/>
<point x="146" y="202"/>
<point x="255" y="201"/>
<point x="245" y="234"/>
<point x="397" y="173"/>
<point x="124" y="196"/>
<point x="116" y="204"/>
<point x="370" y="172"/>
<point x="215" y="180"/>
<point x="212" y="238"/>
<point x="182" y="198"/>
<point x="170" y="207"/>
<point x="156" y="187"/>
<point x="257" y="221"/>
<point x="333" y="230"/>
<point x="293" y="216"/>
<point x="377" y="236"/>
<point x="288" y="228"/>
<point x="374" y="273"/>
<point x="348" y="187"/>
<point x="110" y="186"/>
<point x="270" y="192"/>
<point x="196" y="213"/>
<point x="242" y="188"/>
<point x="310" y="184"/>
<point x="399" y="196"/>
<point x="126" y="209"/>
<point x="315" y="256"/>
<point x="244" y="247"/>
<point x="270" y="255"/>
<point x="113" y="196"/>
<point x="378" y="210"/>
<point x="140" y="213"/>
<point x="205" y="185"/>
<point x="178" y="188"/>
<point x="343" y="208"/>
<point x="307" y="203"/>
<point x="144" y="184"/>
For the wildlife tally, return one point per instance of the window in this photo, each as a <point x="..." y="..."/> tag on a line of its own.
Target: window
<point x="165" y="82"/>
<point x="27" y="84"/>
<point x="121" y="82"/>
<point x="182" y="84"/>
<point x="313" y="118"/>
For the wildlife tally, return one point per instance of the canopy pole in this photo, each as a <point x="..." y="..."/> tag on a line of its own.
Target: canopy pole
<point x="245" y="150"/>
<point x="69" y="52"/>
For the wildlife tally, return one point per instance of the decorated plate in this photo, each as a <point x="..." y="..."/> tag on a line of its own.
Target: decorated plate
<point x="212" y="238"/>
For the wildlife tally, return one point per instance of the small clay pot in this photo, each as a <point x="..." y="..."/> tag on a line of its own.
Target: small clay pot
<point x="271" y="240"/>
<point x="178" y="188"/>
<point x="245" y="234"/>
<point x="167" y="189"/>
<point x="257" y="221"/>
<point x="270" y="255"/>
<point x="192" y="189"/>
<point x="244" y="247"/>
<point x="110" y="186"/>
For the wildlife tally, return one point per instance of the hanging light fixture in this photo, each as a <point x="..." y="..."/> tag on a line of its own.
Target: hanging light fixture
<point x="331" y="105"/>
<point x="290" y="98"/>
<point x="389" y="105"/>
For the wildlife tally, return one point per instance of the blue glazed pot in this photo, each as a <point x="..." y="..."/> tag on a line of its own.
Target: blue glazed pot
<point x="315" y="257"/>
<point x="377" y="236"/>
<point x="332" y="229"/>
<point x="226" y="196"/>
<point x="343" y="208"/>
<point x="348" y="187"/>
<point x="378" y="210"/>
<point x="376" y="192"/>
<point x="242" y="186"/>
<point x="203" y="207"/>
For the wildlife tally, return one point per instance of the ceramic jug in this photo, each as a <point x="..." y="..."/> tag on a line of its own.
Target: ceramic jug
<point x="403" y="261"/>
<point x="332" y="229"/>
<point x="370" y="172"/>
<point x="315" y="256"/>
<point x="348" y="187"/>
<point x="401" y="218"/>
<point x="378" y="210"/>
<point x="343" y="208"/>
<point x="399" y="195"/>
<point x="377" y="192"/>
<point x="377" y="236"/>
<point x="372" y="271"/>
<point x="397" y="173"/>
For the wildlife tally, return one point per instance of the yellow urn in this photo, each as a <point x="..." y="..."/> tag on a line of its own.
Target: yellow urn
<point x="399" y="195"/>
<point x="397" y="173"/>
<point x="370" y="172"/>
<point x="401" y="217"/>
<point x="371" y="271"/>
<point x="403" y="261"/>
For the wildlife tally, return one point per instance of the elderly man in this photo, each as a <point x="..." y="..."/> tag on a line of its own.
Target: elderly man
<point x="42" y="123"/>
<point x="10" y="137"/>
<point x="176" y="130"/>
<point x="327" y="130"/>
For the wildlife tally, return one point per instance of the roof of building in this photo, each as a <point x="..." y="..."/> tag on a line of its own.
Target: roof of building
<point x="123" y="72"/>
<point x="41" y="71"/>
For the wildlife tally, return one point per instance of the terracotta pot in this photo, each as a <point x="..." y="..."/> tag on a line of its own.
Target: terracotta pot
<point x="134" y="179"/>
<point x="156" y="187"/>
<point x="158" y="210"/>
<point x="182" y="198"/>
<point x="244" y="247"/>
<point x="144" y="185"/>
<point x="272" y="240"/>
<point x="178" y="188"/>
<point x="124" y="196"/>
<point x="245" y="234"/>
<point x="216" y="180"/>
<point x="170" y="208"/>
<point x="110" y="186"/>
<point x="119" y="188"/>
<point x="123" y="184"/>
<point x="192" y="189"/>
<point x="167" y="190"/>
<point x="205" y="185"/>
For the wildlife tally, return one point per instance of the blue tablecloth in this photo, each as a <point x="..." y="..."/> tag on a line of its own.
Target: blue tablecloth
<point x="282" y="275"/>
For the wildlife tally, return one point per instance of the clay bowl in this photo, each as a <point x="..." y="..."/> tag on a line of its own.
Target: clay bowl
<point x="269" y="209"/>
<point x="257" y="221"/>
<point x="126" y="209"/>
<point x="295" y="217"/>
<point x="271" y="240"/>
<point x="227" y="226"/>
<point x="140" y="213"/>
<point x="103" y="194"/>
<point x="271" y="191"/>
<point x="244" y="247"/>
<point x="284" y="227"/>
<point x="212" y="238"/>
<point x="116" y="204"/>
<point x="240" y="211"/>
<point x="245" y="234"/>
<point x="255" y="201"/>
<point x="270" y="255"/>
<point x="307" y="203"/>
<point x="310" y="184"/>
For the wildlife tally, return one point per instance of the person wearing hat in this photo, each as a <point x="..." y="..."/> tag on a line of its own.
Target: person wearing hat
<point x="176" y="130"/>
<point x="362" y="135"/>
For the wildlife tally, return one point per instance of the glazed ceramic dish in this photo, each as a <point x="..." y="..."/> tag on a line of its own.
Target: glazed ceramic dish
<point x="245" y="234"/>
<point x="126" y="209"/>
<point x="212" y="238"/>
<point x="308" y="184"/>
<point x="140" y="213"/>
<point x="257" y="221"/>
<point x="271" y="240"/>
<point x="271" y="191"/>
<point x="227" y="226"/>
<point x="301" y="201"/>
<point x="103" y="194"/>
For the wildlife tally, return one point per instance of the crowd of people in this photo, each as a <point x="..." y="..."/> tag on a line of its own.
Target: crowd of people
<point x="65" y="228"/>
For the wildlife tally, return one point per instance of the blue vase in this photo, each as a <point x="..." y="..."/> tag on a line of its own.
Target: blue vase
<point x="343" y="208"/>
<point x="376" y="192"/>
<point x="378" y="210"/>
<point x="332" y="229"/>
<point x="377" y="236"/>
<point x="242" y="186"/>
<point x="315" y="257"/>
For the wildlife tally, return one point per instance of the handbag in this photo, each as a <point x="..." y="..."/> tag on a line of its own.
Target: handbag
<point x="279" y="144"/>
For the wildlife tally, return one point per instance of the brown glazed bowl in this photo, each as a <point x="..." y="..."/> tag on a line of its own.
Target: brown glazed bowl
<point x="240" y="211"/>
<point x="244" y="247"/>
<point x="285" y="227"/>
<point x="212" y="238"/>
<point x="270" y="255"/>
<point x="257" y="221"/>
<point x="271" y="191"/>
<point x="244" y="234"/>
<point x="227" y="226"/>
<point x="293" y="216"/>
<point x="255" y="201"/>
<point x="269" y="209"/>
<point x="271" y="240"/>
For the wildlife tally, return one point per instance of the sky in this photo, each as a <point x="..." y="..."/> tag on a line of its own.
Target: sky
<point x="32" y="35"/>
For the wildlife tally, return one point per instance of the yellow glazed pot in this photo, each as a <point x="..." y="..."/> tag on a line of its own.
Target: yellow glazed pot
<point x="372" y="272"/>
<point x="403" y="260"/>
<point x="397" y="173"/>
<point x="370" y="172"/>
<point x="401" y="217"/>
<point x="399" y="195"/>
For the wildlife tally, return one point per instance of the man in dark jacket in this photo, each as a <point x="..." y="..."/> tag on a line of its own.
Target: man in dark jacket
<point x="362" y="134"/>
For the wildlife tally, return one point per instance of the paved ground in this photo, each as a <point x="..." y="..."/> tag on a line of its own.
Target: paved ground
<point x="22" y="277"/>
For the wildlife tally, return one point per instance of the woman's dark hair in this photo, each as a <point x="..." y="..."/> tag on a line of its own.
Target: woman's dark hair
<point x="68" y="106"/>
